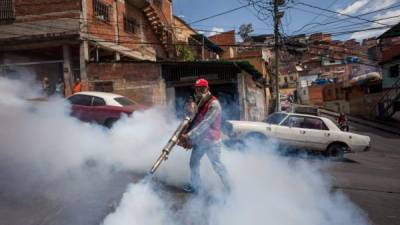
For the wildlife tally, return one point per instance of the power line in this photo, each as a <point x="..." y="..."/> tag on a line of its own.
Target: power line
<point x="344" y="19"/>
<point x="219" y="14"/>
<point x="361" y="23"/>
<point x="343" y="14"/>
<point x="316" y="17"/>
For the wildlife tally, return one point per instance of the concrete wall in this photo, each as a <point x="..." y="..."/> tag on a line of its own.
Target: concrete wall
<point x="302" y="95"/>
<point x="252" y="98"/>
<point x="363" y="105"/>
<point x="141" y="82"/>
<point x="340" y="106"/>
<point x="387" y="80"/>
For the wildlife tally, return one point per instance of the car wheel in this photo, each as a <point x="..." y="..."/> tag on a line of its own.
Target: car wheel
<point x="256" y="138"/>
<point x="336" y="151"/>
<point x="109" y="122"/>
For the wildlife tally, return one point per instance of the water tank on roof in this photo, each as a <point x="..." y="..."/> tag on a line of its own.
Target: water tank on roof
<point x="352" y="59"/>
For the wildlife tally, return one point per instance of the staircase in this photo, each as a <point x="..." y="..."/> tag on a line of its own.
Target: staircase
<point x="159" y="26"/>
<point x="388" y="105"/>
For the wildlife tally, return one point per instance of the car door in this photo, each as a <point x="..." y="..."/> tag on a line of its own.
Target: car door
<point x="100" y="111"/>
<point x="317" y="134"/>
<point x="291" y="132"/>
<point x="81" y="106"/>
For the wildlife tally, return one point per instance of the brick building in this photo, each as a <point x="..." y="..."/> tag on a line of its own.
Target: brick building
<point x="59" y="39"/>
<point x="237" y="85"/>
<point x="227" y="42"/>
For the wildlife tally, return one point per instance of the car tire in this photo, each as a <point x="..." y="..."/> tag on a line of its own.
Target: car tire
<point x="256" y="138"/>
<point x="336" y="151"/>
<point x="109" y="122"/>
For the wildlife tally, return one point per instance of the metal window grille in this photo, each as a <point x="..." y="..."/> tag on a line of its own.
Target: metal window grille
<point x="7" y="10"/>
<point x="101" y="10"/>
<point x="129" y="24"/>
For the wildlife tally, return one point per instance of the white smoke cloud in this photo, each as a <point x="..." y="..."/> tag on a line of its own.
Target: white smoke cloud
<point x="43" y="147"/>
<point x="266" y="187"/>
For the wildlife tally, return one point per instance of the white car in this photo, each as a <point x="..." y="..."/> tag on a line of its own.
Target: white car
<point x="300" y="131"/>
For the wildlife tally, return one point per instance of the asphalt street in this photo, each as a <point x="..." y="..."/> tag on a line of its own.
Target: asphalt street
<point x="370" y="179"/>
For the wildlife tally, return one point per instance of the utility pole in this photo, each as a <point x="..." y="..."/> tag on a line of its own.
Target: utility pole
<point x="202" y="47"/>
<point x="277" y="17"/>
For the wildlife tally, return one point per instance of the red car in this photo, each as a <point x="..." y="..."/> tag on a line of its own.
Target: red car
<point x="101" y="107"/>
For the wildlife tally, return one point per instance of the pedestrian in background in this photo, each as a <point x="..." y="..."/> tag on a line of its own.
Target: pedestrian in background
<point x="46" y="86"/>
<point x="60" y="87"/>
<point x="190" y="107"/>
<point x="77" y="86"/>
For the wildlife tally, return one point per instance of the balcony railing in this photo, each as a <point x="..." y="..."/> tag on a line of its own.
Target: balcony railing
<point x="101" y="10"/>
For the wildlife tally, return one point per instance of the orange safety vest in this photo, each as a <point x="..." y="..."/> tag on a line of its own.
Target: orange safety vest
<point x="77" y="88"/>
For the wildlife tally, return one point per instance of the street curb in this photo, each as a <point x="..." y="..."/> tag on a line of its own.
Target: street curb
<point x="393" y="130"/>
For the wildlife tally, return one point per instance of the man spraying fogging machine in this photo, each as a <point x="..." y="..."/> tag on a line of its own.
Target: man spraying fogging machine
<point x="202" y="134"/>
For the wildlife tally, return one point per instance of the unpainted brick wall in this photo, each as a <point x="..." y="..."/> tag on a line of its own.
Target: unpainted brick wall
<point x="315" y="94"/>
<point x="141" y="82"/>
<point x="37" y="7"/>
<point x="106" y="30"/>
<point x="33" y="10"/>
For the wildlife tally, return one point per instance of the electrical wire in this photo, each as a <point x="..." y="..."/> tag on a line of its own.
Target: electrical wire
<point x="346" y="19"/>
<point x="316" y="17"/>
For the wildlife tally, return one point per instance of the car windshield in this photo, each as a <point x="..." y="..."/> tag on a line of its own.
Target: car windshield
<point x="124" y="101"/>
<point x="275" y="118"/>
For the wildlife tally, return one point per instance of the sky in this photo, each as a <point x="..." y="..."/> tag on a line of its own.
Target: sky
<point x="295" y="17"/>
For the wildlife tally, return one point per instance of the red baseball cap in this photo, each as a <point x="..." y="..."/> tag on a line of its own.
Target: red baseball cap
<point x="201" y="83"/>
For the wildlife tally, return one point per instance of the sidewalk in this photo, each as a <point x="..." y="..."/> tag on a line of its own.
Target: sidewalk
<point x="375" y="124"/>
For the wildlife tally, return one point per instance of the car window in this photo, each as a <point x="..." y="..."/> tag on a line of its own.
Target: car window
<point x="98" y="101"/>
<point x="124" y="101"/>
<point x="85" y="100"/>
<point x="294" y="121"/>
<point x="275" y="118"/>
<point x="314" y="123"/>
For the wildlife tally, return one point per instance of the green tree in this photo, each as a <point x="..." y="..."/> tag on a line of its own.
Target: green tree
<point x="184" y="53"/>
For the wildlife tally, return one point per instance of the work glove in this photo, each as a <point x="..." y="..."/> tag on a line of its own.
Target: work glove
<point x="184" y="142"/>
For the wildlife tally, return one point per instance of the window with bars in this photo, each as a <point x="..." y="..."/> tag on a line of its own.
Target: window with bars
<point x="7" y="11"/>
<point x="129" y="24"/>
<point x="101" y="10"/>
